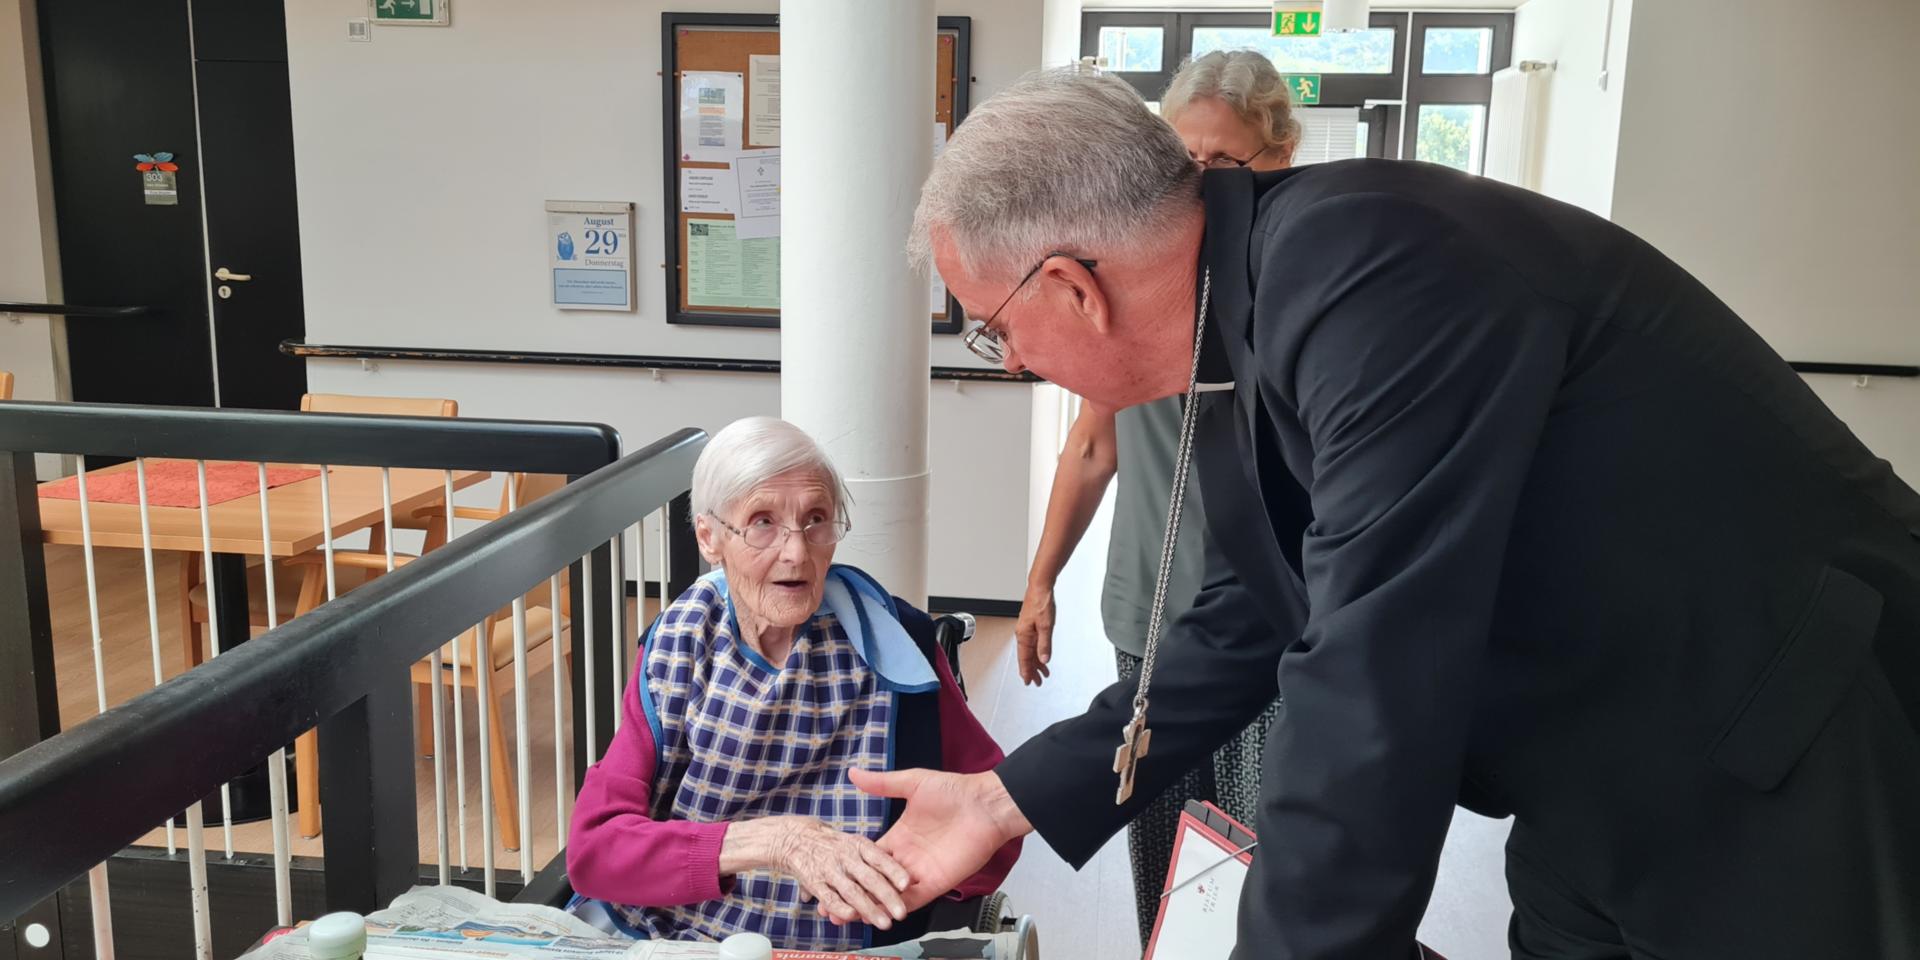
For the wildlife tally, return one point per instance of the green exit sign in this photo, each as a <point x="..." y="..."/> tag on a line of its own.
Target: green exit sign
<point x="1296" y="22"/>
<point x="423" y="12"/>
<point x="1303" y="87"/>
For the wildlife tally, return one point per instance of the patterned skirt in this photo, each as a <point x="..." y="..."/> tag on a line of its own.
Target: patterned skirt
<point x="1231" y="782"/>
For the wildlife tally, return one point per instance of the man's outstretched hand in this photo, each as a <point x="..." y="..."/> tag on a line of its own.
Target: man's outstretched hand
<point x="953" y="824"/>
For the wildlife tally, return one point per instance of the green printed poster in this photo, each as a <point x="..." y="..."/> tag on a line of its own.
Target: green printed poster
<point x="726" y="271"/>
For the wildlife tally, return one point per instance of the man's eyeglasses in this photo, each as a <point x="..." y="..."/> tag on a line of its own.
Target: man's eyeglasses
<point x="762" y="533"/>
<point x="991" y="345"/>
<point x="1224" y="162"/>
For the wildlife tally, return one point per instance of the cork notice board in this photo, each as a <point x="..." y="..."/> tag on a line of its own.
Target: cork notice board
<point x="719" y="84"/>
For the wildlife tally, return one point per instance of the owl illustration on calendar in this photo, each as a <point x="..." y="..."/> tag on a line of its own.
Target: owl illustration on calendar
<point x="566" y="245"/>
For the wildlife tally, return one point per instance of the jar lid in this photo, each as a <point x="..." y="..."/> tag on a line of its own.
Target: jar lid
<point x="337" y="936"/>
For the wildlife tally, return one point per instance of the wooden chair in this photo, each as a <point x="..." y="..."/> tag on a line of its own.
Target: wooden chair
<point x="6" y="385"/>
<point x="497" y="628"/>
<point x="300" y="582"/>
<point x="291" y="578"/>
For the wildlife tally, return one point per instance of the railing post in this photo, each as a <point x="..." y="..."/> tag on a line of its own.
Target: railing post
<point x="366" y="797"/>
<point x="599" y="651"/>
<point x="29" y="697"/>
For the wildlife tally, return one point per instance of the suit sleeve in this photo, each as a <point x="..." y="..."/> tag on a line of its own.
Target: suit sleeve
<point x="1215" y="674"/>
<point x="1421" y="369"/>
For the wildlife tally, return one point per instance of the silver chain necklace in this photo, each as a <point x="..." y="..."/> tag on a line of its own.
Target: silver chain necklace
<point x="1135" y="737"/>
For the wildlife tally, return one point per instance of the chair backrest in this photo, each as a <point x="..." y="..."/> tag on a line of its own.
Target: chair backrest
<point x="531" y="487"/>
<point x="395" y="406"/>
<point x="6" y="385"/>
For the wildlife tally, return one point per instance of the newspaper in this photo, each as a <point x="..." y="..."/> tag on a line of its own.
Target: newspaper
<point x="445" y="922"/>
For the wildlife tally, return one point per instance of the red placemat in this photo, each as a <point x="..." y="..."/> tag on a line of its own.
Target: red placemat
<point x="176" y="483"/>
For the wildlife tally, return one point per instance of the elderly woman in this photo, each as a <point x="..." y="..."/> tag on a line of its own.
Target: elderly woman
<point x="723" y="805"/>
<point x="1232" y="109"/>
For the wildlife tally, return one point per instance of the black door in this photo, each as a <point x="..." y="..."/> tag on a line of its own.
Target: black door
<point x="253" y="222"/>
<point x="119" y="82"/>
<point x="120" y="77"/>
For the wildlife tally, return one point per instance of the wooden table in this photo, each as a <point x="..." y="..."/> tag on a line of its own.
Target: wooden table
<point x="293" y="512"/>
<point x="295" y="519"/>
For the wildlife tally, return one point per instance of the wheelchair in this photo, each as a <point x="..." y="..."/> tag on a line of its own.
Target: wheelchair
<point x="983" y="915"/>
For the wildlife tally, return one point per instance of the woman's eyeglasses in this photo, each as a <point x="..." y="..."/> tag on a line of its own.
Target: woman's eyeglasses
<point x="991" y="345"/>
<point x="1224" y="162"/>
<point x="762" y="533"/>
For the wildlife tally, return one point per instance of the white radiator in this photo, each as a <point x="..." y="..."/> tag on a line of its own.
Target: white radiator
<point x="1514" y="121"/>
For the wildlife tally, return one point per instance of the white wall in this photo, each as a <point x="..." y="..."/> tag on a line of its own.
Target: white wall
<point x="1580" y="135"/>
<point x="424" y="158"/>
<point x="1777" y="164"/>
<point x="29" y="264"/>
<point x="1059" y="32"/>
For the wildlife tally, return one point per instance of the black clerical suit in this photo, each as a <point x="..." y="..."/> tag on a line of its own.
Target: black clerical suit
<point x="1518" y="516"/>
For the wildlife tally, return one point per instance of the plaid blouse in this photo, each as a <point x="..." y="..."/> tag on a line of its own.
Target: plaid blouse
<point x="738" y="739"/>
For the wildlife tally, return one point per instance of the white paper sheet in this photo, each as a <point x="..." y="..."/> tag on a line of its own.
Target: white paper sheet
<point x="708" y="190"/>
<point x="711" y="108"/>
<point x="763" y="106"/>
<point x="757" y="173"/>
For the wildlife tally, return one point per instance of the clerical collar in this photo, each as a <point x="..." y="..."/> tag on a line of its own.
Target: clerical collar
<point x="1215" y="372"/>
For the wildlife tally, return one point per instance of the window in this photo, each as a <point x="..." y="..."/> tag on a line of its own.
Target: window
<point x="1369" y="51"/>
<point x="1457" y="50"/>
<point x="1132" y="49"/>
<point x="1420" y="81"/>
<point x="1451" y="134"/>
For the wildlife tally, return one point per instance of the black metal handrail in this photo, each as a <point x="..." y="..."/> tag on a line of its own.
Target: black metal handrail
<point x="77" y="798"/>
<point x="115" y="776"/>
<point x="71" y="310"/>
<point x="1856" y="369"/>
<point x="632" y="361"/>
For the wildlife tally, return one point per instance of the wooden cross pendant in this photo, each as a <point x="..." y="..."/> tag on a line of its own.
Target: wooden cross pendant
<point x="1135" y="738"/>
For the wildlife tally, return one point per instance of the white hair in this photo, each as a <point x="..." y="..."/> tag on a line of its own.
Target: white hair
<point x="747" y="453"/>
<point x="1064" y="159"/>
<point x="1246" y="81"/>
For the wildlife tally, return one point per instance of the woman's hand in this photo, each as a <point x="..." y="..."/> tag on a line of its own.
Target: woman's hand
<point x="1033" y="634"/>
<point x="848" y="874"/>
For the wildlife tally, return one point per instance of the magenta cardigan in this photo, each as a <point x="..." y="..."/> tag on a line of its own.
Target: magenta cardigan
<point x="618" y="853"/>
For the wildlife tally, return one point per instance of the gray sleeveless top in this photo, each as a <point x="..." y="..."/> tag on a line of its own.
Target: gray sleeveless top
<point x="1148" y="441"/>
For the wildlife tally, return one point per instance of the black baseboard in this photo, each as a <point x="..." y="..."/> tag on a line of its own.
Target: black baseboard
<point x="978" y="606"/>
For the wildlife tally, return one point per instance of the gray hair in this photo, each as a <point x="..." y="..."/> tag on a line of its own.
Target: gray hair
<point x="1064" y="159"/>
<point x="1246" y="81"/>
<point x="748" y="452"/>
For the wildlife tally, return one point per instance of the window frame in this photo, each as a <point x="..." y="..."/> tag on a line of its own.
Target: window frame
<point x="1389" y="102"/>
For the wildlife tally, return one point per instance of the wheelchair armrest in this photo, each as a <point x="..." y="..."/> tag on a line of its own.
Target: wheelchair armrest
<point x="549" y="886"/>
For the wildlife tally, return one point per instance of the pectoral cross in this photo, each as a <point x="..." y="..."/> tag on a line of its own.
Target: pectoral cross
<point x="1135" y="738"/>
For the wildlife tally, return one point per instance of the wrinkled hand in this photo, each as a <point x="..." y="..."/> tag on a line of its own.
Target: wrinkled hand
<point x="848" y="874"/>
<point x="953" y="824"/>
<point x="1033" y="633"/>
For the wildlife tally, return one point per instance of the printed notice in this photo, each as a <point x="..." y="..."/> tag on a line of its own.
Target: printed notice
<point x="763" y="100"/>
<point x="724" y="270"/>
<point x="757" y="174"/>
<point x="707" y="190"/>
<point x="710" y="115"/>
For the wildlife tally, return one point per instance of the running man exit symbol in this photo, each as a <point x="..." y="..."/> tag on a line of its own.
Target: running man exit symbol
<point x="1305" y="87"/>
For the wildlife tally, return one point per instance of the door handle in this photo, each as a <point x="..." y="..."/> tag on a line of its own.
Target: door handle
<point x="228" y="276"/>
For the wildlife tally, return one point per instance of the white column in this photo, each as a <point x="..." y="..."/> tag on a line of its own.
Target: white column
<point x="856" y="140"/>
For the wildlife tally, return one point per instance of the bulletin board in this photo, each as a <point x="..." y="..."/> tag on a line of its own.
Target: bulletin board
<point x="722" y="266"/>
